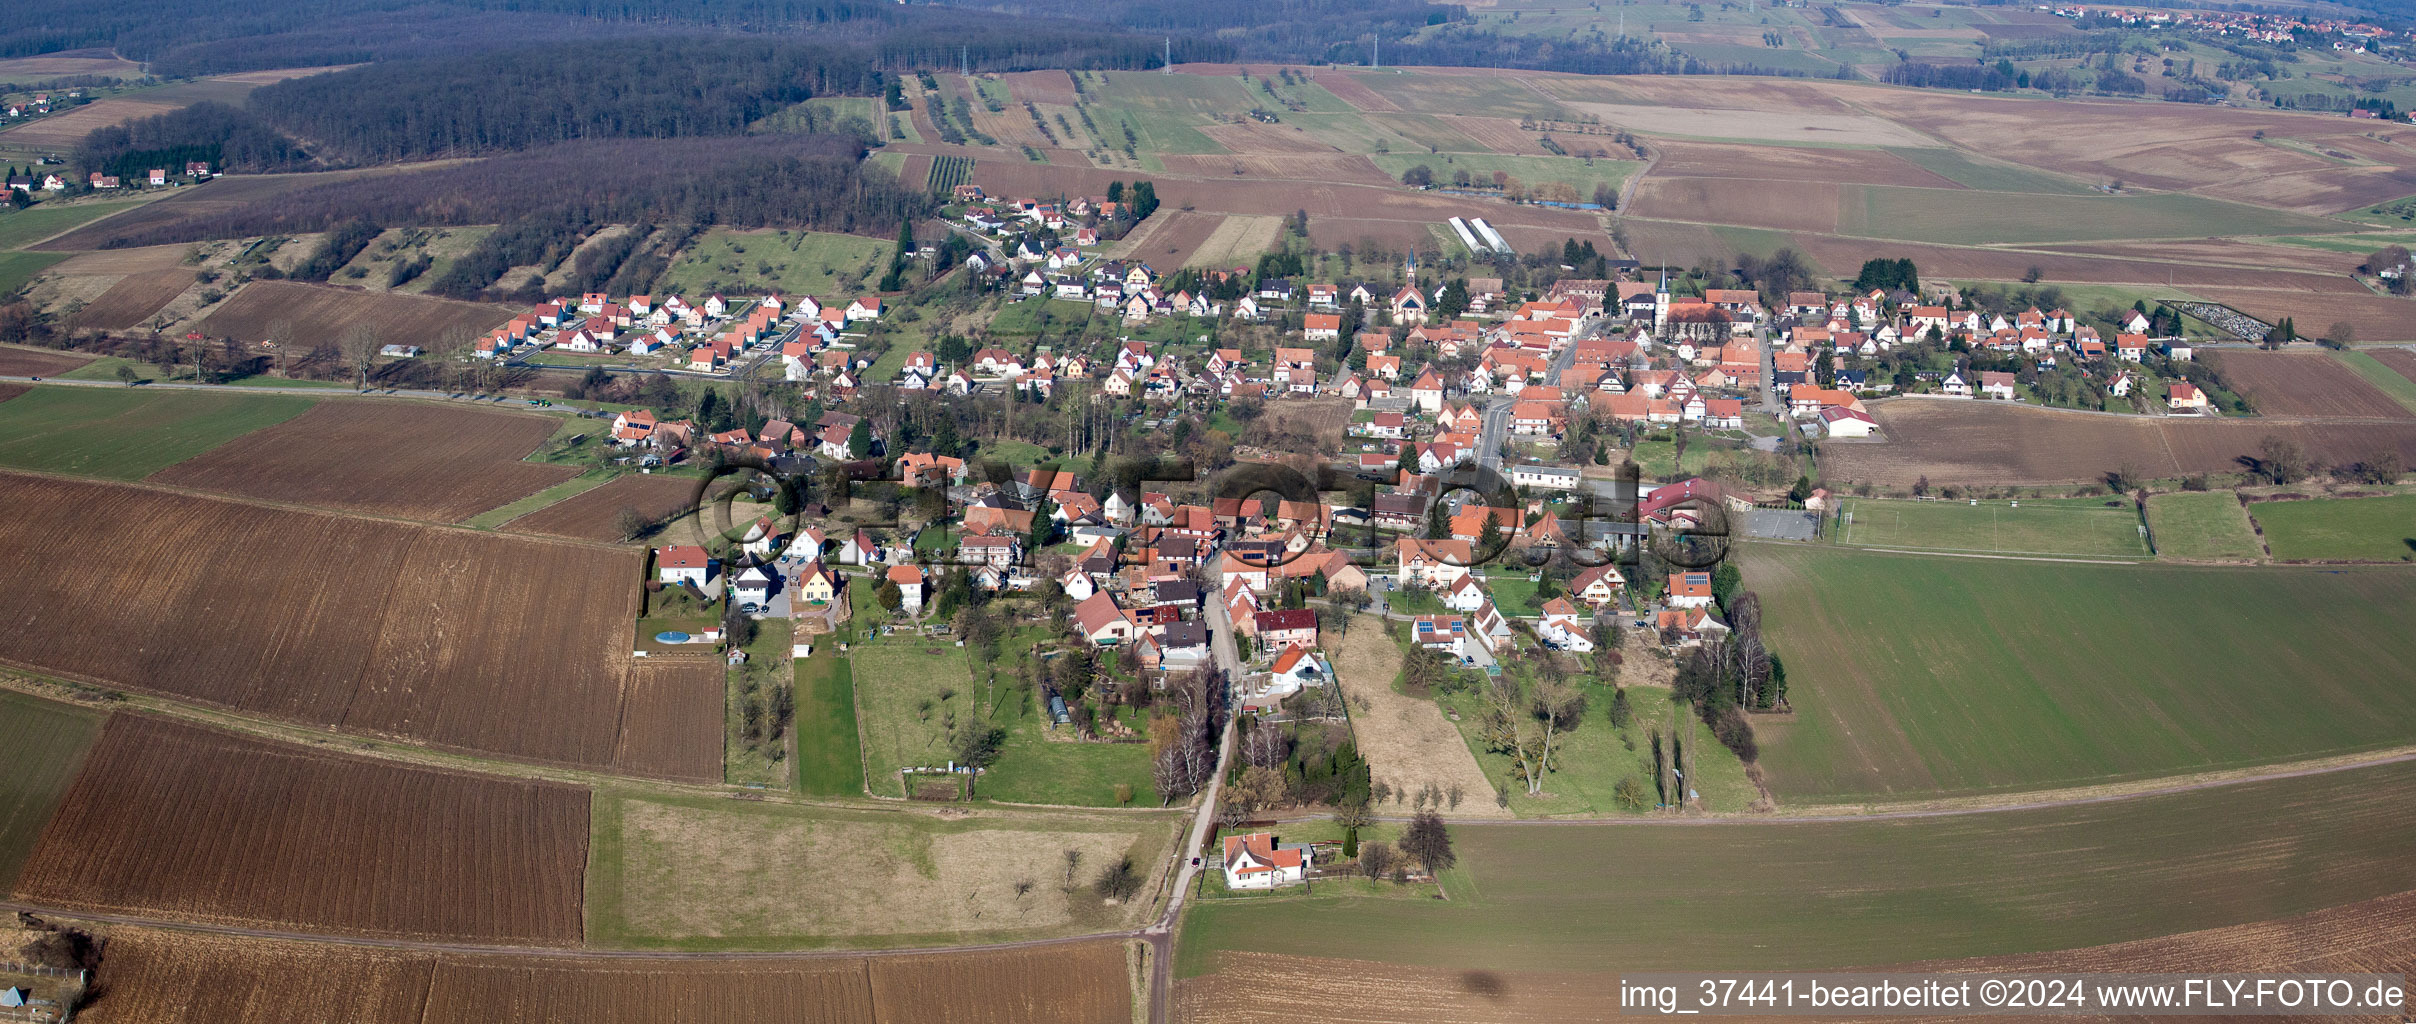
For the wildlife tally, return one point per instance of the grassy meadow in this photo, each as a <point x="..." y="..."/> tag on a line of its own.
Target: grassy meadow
<point x="1955" y="217"/>
<point x="2209" y="525"/>
<point x="2332" y="529"/>
<point x="1795" y="896"/>
<point x="45" y="742"/>
<point x="710" y="873"/>
<point x="1916" y="676"/>
<point x="830" y="757"/>
<point x="128" y="433"/>
<point x="817" y="263"/>
<point x="16" y="268"/>
<point x="2078" y="526"/>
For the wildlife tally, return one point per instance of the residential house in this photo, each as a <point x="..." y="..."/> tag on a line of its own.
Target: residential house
<point x="1102" y="622"/>
<point x="1255" y="861"/>
<point x="1689" y="589"/>
<point x="1563" y="628"/>
<point x="1278" y="628"/>
<point x="911" y="585"/>
<point x="683" y="563"/>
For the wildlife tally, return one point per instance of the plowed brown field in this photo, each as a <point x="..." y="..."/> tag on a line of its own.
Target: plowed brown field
<point x="500" y="645"/>
<point x="132" y="298"/>
<point x="159" y="977"/>
<point x="318" y="314"/>
<point x="2377" y="935"/>
<point x="2375" y="317"/>
<point x="34" y="362"/>
<point x="1349" y="89"/>
<point x="439" y="463"/>
<point x="184" y="822"/>
<point x="11" y="389"/>
<point x="681" y="700"/>
<point x="589" y="515"/>
<point x="2001" y="443"/>
<point x="1797" y="205"/>
<point x="2302" y="384"/>
<point x="1962" y="263"/>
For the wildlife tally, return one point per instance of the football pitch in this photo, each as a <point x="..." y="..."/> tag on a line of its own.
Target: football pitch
<point x="2075" y="526"/>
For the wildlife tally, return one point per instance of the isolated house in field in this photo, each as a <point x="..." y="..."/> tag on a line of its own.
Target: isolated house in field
<point x="1255" y="861"/>
<point x="683" y="563"/>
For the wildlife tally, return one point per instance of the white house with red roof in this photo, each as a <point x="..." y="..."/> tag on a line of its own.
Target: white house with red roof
<point x="683" y="563"/>
<point x="1256" y="861"/>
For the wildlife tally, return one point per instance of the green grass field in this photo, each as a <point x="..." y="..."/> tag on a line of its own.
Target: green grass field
<point x="2211" y="525"/>
<point x="16" y="268"/>
<point x="128" y="433"/>
<point x="20" y="228"/>
<point x="2078" y="526"/>
<point x="1596" y="756"/>
<point x="2384" y="378"/>
<point x="893" y="679"/>
<point x="1955" y="217"/>
<point x="1990" y="176"/>
<point x="1769" y="896"/>
<point x="830" y="758"/>
<point x="1035" y="769"/>
<point x="1917" y="675"/>
<point x="45" y="742"/>
<point x="2334" y="529"/>
<point x="817" y="263"/>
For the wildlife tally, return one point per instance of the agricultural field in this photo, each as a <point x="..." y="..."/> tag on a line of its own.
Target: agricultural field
<point x="2077" y="526"/>
<point x="128" y="433"/>
<point x="817" y="263"/>
<point x="2001" y="444"/>
<point x="415" y="460"/>
<point x="2152" y="670"/>
<point x="2207" y="527"/>
<point x="2340" y="529"/>
<point x="456" y="639"/>
<point x="310" y="315"/>
<point x="21" y="228"/>
<point x="1268" y="988"/>
<point x="1966" y="218"/>
<point x="46" y="742"/>
<point x="155" y="976"/>
<point x="1580" y="174"/>
<point x="712" y="873"/>
<point x="680" y="699"/>
<point x="133" y="299"/>
<point x="1995" y="884"/>
<point x="591" y="514"/>
<point x="2304" y="384"/>
<point x="274" y="835"/>
<point x="2378" y="369"/>
<point x="18" y="361"/>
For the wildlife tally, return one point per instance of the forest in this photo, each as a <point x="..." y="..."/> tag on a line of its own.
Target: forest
<point x="227" y="138"/>
<point x="648" y="89"/>
<point x="549" y="198"/>
<point x="182" y="38"/>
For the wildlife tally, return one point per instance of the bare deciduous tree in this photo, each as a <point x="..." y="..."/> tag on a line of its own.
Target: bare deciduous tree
<point x="359" y="344"/>
<point x="1376" y="859"/>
